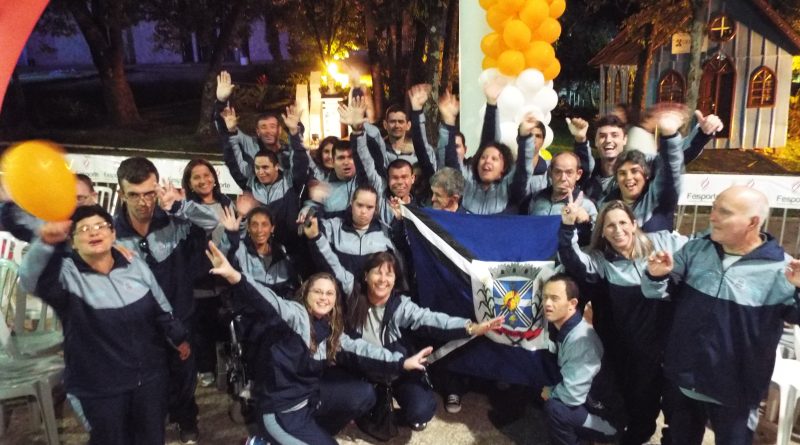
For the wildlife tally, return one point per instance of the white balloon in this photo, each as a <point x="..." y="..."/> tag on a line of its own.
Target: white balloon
<point x="510" y="102"/>
<point x="547" y="118"/>
<point x="548" y="136"/>
<point x="549" y="84"/>
<point x="546" y="99"/>
<point x="530" y="108"/>
<point x="508" y="135"/>
<point x="487" y="75"/>
<point x="530" y="81"/>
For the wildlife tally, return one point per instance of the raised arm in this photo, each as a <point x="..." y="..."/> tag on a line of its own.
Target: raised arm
<point x="704" y="131"/>
<point x="418" y="95"/>
<point x="324" y="257"/>
<point x="490" y="133"/>
<point x="523" y="169"/>
<point x="40" y="272"/>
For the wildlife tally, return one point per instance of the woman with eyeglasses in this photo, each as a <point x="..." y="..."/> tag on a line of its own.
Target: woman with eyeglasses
<point x="379" y="314"/>
<point x="295" y="403"/>
<point x="633" y="328"/>
<point x="118" y="327"/>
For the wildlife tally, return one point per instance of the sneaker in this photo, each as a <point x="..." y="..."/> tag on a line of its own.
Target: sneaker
<point x="206" y="379"/>
<point x="453" y="403"/>
<point x="188" y="435"/>
<point x="419" y="426"/>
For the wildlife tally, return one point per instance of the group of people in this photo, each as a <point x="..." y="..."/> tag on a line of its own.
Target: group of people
<point x="313" y="256"/>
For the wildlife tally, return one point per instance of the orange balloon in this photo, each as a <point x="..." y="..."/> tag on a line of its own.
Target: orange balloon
<point x="516" y="35"/>
<point x="486" y="4"/>
<point x="36" y="176"/>
<point x="539" y="55"/>
<point x="511" y="62"/>
<point x="552" y="70"/>
<point x="492" y="45"/>
<point x="557" y="8"/>
<point x="534" y="12"/>
<point x="497" y="18"/>
<point x="488" y="62"/>
<point x="549" y="30"/>
<point x="511" y="6"/>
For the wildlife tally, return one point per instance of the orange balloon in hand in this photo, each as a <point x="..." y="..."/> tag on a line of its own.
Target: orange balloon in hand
<point x="36" y="176"/>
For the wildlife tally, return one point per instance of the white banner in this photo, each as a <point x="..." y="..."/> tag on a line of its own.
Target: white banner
<point x="783" y="192"/>
<point x="103" y="168"/>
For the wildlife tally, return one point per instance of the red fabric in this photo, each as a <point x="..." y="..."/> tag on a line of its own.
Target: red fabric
<point x="17" y="19"/>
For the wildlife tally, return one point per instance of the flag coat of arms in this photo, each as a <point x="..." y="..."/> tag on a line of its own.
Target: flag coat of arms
<point x="481" y="267"/>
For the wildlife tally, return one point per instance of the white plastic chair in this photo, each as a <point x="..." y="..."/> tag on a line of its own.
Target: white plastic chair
<point x="787" y="376"/>
<point x="106" y="198"/>
<point x="8" y="245"/>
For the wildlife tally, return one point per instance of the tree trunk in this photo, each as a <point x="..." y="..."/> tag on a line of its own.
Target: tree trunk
<point x="643" y="71"/>
<point x="272" y="36"/>
<point x="375" y="65"/>
<point x="450" y="50"/>
<point x="107" y="49"/>
<point x="695" y="71"/>
<point x="223" y="42"/>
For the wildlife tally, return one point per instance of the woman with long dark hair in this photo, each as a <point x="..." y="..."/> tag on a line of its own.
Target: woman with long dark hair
<point x="296" y="405"/>
<point x="378" y="313"/>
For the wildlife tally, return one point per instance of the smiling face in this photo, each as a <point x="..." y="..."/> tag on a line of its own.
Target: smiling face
<point x="380" y="282"/>
<point x="266" y="170"/>
<point x="260" y="228"/>
<point x="202" y="182"/>
<point x="93" y="237"/>
<point x="558" y="307"/>
<point x="268" y="130"/>
<point x="397" y="125"/>
<point x="610" y="141"/>
<point x="440" y="200"/>
<point x="631" y="180"/>
<point x="491" y="165"/>
<point x="321" y="297"/>
<point x="400" y="181"/>
<point x="619" y="230"/>
<point x="327" y="156"/>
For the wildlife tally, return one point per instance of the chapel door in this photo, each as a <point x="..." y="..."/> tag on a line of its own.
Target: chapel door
<point x="717" y="89"/>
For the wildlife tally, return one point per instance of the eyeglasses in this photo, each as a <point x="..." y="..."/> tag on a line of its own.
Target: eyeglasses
<point x="146" y="196"/>
<point x="93" y="227"/>
<point x="320" y="292"/>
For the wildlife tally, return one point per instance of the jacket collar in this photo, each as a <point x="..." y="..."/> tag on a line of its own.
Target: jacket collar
<point x="768" y="250"/>
<point x="560" y="334"/>
<point x="123" y="226"/>
<point x="83" y="267"/>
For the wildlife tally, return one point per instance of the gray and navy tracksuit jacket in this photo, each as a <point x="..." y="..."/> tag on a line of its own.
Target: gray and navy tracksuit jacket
<point x="727" y="323"/>
<point x="655" y="208"/>
<point x="639" y="324"/>
<point x="117" y="327"/>
<point x="287" y="377"/>
<point x="173" y="248"/>
<point x="342" y="251"/>
<point x="274" y="271"/>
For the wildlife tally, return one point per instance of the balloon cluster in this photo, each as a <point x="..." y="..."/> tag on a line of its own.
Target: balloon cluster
<point x="524" y="31"/>
<point x="520" y="54"/>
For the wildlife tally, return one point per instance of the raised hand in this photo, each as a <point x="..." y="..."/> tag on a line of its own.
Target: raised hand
<point x="292" y="118"/>
<point x="231" y="119"/>
<point x="571" y="212"/>
<point x="793" y="272"/>
<point x="578" y="128"/>
<point x="418" y="95"/>
<point x="671" y="117"/>
<point x="168" y="194"/>
<point x="527" y="125"/>
<point x="448" y="108"/>
<point x="709" y="124"/>
<point x="492" y="89"/>
<point x="245" y="202"/>
<point x="221" y="266"/>
<point x="394" y="204"/>
<point x="184" y="350"/>
<point x="418" y="360"/>
<point x="55" y="232"/>
<point x="229" y="220"/>
<point x="659" y="263"/>
<point x="353" y="114"/>
<point x="224" y="86"/>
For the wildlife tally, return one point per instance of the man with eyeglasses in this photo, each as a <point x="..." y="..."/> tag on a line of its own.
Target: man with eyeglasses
<point x="169" y="234"/>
